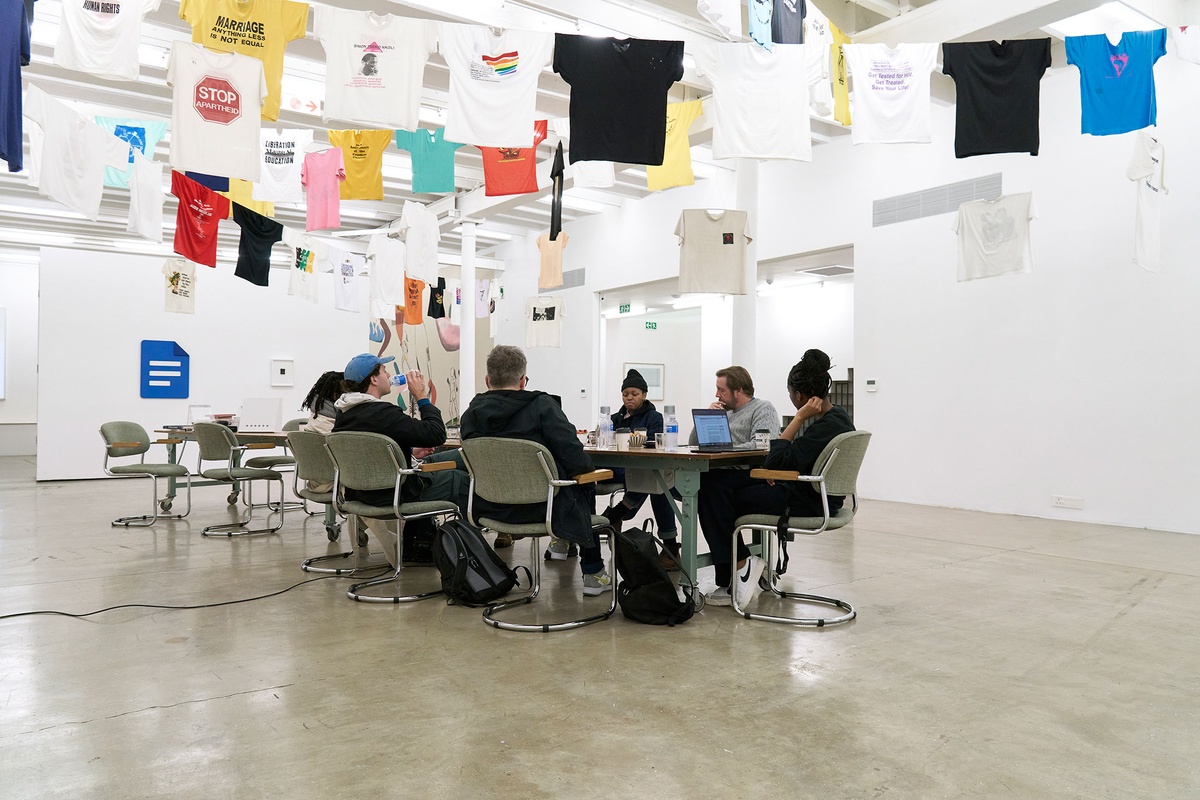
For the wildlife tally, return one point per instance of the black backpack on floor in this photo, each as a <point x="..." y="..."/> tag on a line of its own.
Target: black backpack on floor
<point x="472" y="573"/>
<point x="646" y="592"/>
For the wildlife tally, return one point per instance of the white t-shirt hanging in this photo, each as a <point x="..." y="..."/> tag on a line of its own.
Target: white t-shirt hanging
<point x="454" y="300"/>
<point x="818" y="46"/>
<point x="146" y="198"/>
<point x="496" y="308"/>
<point x="493" y="83"/>
<point x="724" y="15"/>
<point x="760" y="100"/>
<point x="993" y="236"/>
<point x="483" y="291"/>
<point x="100" y="37"/>
<point x="543" y="321"/>
<point x="346" y="269"/>
<point x="179" y="285"/>
<point x="282" y="153"/>
<point x="216" y="111"/>
<point x="374" y="66"/>
<point x="307" y="253"/>
<point x="421" y="237"/>
<point x="73" y="153"/>
<point x="586" y="174"/>
<point x="891" y="91"/>
<point x="1147" y="167"/>
<point x="1187" y="42"/>
<point x="712" y="248"/>
<point x="387" y="257"/>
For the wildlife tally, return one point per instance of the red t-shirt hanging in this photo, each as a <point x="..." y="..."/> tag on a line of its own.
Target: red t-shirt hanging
<point x="512" y="170"/>
<point x="200" y="209"/>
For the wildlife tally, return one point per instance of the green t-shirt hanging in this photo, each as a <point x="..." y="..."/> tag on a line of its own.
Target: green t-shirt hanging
<point x="432" y="159"/>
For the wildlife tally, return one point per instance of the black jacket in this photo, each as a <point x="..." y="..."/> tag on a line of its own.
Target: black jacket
<point x="536" y="417"/>
<point x="801" y="454"/>
<point x="363" y="413"/>
<point x="644" y="417"/>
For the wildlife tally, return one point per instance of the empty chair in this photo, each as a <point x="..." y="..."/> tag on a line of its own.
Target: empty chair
<point x="836" y="473"/>
<point x="520" y="472"/>
<point x="366" y="462"/>
<point x="314" y="479"/>
<point x="123" y="439"/>
<point x="218" y="443"/>
<point x="282" y="462"/>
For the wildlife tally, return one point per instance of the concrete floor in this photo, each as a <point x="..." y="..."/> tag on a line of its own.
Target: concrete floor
<point x="993" y="656"/>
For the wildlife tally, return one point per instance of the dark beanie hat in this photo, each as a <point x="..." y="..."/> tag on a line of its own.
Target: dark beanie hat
<point x="635" y="380"/>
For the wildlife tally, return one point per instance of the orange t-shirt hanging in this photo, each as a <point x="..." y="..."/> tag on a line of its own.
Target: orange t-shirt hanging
<point x="512" y="170"/>
<point x="413" y="289"/>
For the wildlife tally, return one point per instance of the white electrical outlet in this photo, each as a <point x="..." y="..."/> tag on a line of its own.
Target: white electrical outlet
<point x="1062" y="501"/>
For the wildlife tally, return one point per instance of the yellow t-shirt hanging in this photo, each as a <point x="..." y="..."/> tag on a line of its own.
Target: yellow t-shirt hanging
<point x="841" y="91"/>
<point x="362" y="152"/>
<point x="242" y="193"/>
<point x="257" y="28"/>
<point x="676" y="169"/>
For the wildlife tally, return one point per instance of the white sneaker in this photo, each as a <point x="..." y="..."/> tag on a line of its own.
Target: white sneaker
<point x="718" y="597"/>
<point x="747" y="581"/>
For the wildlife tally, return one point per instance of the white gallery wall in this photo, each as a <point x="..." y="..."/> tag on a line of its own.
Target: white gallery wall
<point x="1077" y="379"/>
<point x="95" y="311"/>
<point x="672" y="343"/>
<point x="18" y="409"/>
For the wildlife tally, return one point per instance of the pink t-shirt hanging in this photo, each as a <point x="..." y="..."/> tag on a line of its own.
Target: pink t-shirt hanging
<point x="322" y="175"/>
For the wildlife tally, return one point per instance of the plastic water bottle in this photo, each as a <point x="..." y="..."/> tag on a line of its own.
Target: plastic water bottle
<point x="671" y="429"/>
<point x="399" y="381"/>
<point x="604" y="431"/>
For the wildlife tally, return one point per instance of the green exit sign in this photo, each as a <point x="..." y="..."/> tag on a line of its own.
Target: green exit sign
<point x="651" y="326"/>
<point x="623" y="309"/>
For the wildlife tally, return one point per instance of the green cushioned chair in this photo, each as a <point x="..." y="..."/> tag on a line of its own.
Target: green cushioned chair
<point x="123" y="439"/>
<point x="314" y="465"/>
<point x="281" y="462"/>
<point x="519" y="472"/>
<point x="836" y="472"/>
<point x="373" y="462"/>
<point x="219" y="443"/>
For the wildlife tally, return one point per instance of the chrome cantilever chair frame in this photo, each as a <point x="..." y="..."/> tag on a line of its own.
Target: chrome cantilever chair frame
<point x="218" y="443"/>
<point x="313" y="463"/>
<point x="836" y="466"/>
<point x="402" y="512"/>
<point x="503" y="484"/>
<point x="129" y="439"/>
<point x="281" y="463"/>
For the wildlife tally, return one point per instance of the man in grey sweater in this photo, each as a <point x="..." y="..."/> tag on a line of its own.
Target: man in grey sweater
<point x="747" y="413"/>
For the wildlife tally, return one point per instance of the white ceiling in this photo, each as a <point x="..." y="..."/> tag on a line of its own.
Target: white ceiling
<point x="28" y="220"/>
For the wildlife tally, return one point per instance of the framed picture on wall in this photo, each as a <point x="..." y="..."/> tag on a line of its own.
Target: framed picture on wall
<point x="655" y="375"/>
<point x="281" y="372"/>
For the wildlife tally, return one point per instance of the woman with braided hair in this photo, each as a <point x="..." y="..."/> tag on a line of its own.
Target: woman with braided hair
<point x="816" y="423"/>
<point x="320" y="400"/>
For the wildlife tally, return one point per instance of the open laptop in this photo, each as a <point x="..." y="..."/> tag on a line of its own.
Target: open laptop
<point x="261" y="415"/>
<point x="712" y="431"/>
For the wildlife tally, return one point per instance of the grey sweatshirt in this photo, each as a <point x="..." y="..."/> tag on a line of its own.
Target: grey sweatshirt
<point x="758" y="413"/>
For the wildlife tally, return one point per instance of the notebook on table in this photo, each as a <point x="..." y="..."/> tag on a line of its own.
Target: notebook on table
<point x="712" y="431"/>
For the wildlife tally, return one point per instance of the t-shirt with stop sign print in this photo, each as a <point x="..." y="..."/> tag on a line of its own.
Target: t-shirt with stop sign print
<point x="215" y="113"/>
<point x="200" y="210"/>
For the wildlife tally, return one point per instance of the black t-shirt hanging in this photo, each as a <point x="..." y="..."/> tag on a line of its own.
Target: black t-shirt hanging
<point x="999" y="89"/>
<point x="437" y="300"/>
<point x="618" y="95"/>
<point x="259" y="235"/>
<point x="787" y="21"/>
<point x="556" y="189"/>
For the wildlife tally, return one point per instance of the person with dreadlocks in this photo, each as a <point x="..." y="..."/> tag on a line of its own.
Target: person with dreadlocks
<point x="319" y="404"/>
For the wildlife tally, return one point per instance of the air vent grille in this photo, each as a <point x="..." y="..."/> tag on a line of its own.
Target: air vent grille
<point x="938" y="200"/>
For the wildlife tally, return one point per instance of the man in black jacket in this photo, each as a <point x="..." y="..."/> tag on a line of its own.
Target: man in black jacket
<point x="362" y="408"/>
<point x="507" y="410"/>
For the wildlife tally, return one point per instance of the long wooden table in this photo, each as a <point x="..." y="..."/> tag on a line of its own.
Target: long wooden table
<point x="688" y="466"/>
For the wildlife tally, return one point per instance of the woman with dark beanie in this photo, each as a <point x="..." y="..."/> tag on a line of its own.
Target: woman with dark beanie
<point x="638" y="412"/>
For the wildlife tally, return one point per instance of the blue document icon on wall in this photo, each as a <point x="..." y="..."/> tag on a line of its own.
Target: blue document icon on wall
<point x="165" y="369"/>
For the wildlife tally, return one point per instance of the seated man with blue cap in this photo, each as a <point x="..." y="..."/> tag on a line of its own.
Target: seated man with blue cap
<point x="363" y="408"/>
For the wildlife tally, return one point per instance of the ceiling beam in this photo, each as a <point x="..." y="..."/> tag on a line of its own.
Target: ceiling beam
<point x="966" y="20"/>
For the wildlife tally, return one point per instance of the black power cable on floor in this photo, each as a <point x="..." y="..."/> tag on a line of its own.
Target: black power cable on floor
<point x="181" y="608"/>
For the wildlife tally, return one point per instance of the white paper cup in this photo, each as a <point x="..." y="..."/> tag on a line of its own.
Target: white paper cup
<point x="623" y="440"/>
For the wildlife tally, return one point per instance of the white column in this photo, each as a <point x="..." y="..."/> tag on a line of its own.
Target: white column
<point x="466" y="340"/>
<point x="745" y="307"/>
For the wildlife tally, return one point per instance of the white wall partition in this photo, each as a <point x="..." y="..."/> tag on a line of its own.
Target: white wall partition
<point x="97" y="309"/>
<point x="18" y="409"/>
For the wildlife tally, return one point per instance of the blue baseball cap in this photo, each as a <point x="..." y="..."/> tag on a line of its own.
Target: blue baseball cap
<point x="362" y="365"/>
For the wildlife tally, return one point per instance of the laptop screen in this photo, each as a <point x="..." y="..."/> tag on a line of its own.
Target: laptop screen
<point x="712" y="427"/>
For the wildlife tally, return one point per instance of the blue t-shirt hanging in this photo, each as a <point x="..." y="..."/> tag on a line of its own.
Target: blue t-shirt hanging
<point x="759" y="16"/>
<point x="142" y="135"/>
<point x="1116" y="81"/>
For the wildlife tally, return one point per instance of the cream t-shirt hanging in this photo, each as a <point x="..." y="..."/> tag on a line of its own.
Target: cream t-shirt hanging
<point x="891" y="91"/>
<point x="993" y="236"/>
<point x="421" y="239"/>
<point x="543" y="322"/>
<point x="179" y="285"/>
<point x="712" y="252"/>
